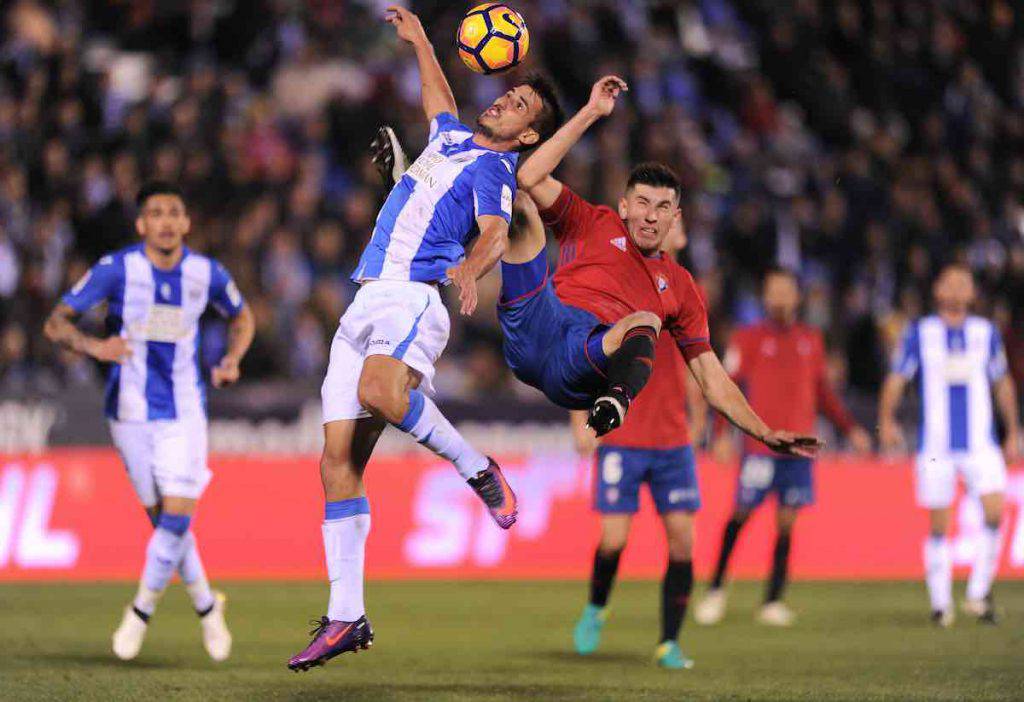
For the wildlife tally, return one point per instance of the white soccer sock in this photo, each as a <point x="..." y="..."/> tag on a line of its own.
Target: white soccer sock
<point x="163" y="554"/>
<point x="193" y="575"/>
<point x="938" y="567"/>
<point x="425" y="423"/>
<point x="986" y="561"/>
<point x="345" y="528"/>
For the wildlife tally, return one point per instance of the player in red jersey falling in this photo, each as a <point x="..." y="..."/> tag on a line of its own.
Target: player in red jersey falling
<point x="586" y="336"/>
<point x="781" y="365"/>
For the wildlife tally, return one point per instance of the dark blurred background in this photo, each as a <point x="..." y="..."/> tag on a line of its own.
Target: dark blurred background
<point x="861" y="143"/>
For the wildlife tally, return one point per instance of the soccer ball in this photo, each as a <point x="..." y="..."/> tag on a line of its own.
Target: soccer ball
<point x="492" y="38"/>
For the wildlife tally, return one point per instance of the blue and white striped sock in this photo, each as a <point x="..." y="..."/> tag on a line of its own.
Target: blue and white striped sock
<point x="192" y="572"/>
<point x="345" y="528"/>
<point x="163" y="554"/>
<point x="425" y="423"/>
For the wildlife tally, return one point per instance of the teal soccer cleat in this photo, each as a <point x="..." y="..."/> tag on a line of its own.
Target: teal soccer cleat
<point x="670" y="657"/>
<point x="587" y="634"/>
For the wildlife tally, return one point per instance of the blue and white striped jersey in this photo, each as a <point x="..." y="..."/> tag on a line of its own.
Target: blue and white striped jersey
<point x="956" y="367"/>
<point x="158" y="313"/>
<point x="430" y="215"/>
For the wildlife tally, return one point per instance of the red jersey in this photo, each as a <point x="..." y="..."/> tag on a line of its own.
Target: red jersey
<point x="657" y="417"/>
<point x="782" y="370"/>
<point x="601" y="270"/>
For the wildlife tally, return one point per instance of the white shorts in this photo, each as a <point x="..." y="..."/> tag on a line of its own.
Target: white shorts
<point x="164" y="457"/>
<point x="402" y="319"/>
<point x="983" y="473"/>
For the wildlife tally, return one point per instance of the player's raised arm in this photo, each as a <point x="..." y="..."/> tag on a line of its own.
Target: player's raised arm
<point x="535" y="173"/>
<point x="436" y="93"/>
<point x="723" y="395"/>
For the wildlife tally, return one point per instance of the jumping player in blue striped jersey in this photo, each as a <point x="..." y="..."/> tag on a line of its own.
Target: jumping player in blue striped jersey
<point x="456" y="197"/>
<point x="959" y="363"/>
<point x="155" y="292"/>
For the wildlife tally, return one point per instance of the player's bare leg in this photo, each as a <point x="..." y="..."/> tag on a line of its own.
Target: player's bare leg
<point x="164" y="552"/>
<point x="675" y="588"/>
<point x="388" y="390"/>
<point x="979" y="601"/>
<point x="711" y="608"/>
<point x="629" y="347"/>
<point x="938" y="566"/>
<point x="614" y="535"/>
<point x="348" y="444"/>
<point x="774" y="612"/>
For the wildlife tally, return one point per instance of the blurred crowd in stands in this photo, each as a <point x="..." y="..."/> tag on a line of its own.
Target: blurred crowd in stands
<point x="859" y="142"/>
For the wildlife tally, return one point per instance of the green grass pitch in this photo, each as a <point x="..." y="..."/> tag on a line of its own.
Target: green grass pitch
<point x="511" y="641"/>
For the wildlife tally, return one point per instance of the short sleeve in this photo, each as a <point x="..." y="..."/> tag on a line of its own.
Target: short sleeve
<point x="568" y="215"/>
<point x="907" y="358"/>
<point x="446" y="122"/>
<point x="997" y="366"/>
<point x="494" y="187"/>
<point x="224" y="294"/>
<point x="689" y="327"/>
<point x="98" y="284"/>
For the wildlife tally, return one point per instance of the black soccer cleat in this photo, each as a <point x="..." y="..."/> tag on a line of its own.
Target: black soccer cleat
<point x="388" y="156"/>
<point x="608" y="412"/>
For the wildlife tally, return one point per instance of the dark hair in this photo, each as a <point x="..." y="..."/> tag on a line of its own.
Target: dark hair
<point x="954" y="265"/>
<point x="156" y="187"/>
<point x="657" y="175"/>
<point x="550" y="117"/>
<point x="781" y="271"/>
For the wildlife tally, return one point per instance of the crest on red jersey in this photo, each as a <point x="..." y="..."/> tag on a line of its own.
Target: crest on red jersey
<point x="662" y="283"/>
<point x="619" y="242"/>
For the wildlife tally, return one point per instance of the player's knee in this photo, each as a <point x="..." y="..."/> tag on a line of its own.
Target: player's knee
<point x="379" y="397"/>
<point x="785" y="521"/>
<point x="611" y="548"/>
<point x="680" y="547"/>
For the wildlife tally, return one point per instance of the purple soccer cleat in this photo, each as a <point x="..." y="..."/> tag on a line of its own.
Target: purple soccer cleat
<point x="331" y="639"/>
<point x="497" y="494"/>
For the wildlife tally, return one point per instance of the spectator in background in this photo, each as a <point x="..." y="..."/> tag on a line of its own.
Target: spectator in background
<point x="862" y="144"/>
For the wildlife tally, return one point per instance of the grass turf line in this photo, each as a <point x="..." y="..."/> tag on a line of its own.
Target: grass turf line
<point x="511" y="640"/>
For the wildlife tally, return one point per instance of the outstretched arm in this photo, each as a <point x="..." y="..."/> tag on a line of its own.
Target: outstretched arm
<point x="723" y="394"/>
<point x="535" y="174"/>
<point x="434" y="89"/>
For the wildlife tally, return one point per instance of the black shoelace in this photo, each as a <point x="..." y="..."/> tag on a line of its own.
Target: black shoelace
<point x="318" y="626"/>
<point x="488" y="488"/>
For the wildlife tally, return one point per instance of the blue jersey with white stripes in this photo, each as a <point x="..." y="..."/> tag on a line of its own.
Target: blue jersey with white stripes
<point x="955" y="367"/>
<point x="430" y="215"/>
<point x="157" y="312"/>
